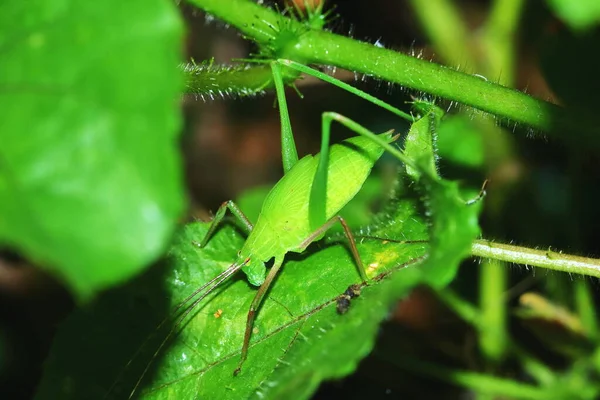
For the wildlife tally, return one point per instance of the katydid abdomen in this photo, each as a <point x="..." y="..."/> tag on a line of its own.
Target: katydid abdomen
<point x="283" y="223"/>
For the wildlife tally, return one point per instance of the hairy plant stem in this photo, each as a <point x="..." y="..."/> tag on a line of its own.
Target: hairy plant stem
<point x="261" y="25"/>
<point x="538" y="258"/>
<point x="209" y="81"/>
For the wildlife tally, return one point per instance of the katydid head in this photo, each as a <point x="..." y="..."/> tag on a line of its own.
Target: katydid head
<point x="254" y="268"/>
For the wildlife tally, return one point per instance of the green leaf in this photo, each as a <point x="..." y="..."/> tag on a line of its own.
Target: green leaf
<point x="579" y="14"/>
<point x="420" y="141"/>
<point x="454" y="226"/>
<point x="299" y="338"/>
<point x="90" y="181"/>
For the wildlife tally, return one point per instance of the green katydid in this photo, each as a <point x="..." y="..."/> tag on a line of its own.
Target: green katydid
<point x="304" y="204"/>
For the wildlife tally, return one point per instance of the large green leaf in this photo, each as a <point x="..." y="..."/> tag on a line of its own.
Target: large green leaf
<point x="299" y="337"/>
<point x="90" y="180"/>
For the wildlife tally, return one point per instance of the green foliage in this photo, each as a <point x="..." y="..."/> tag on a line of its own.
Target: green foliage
<point x="89" y="171"/>
<point x="420" y="142"/>
<point x="90" y="187"/>
<point x="454" y="224"/>
<point x="294" y="328"/>
<point x="579" y="14"/>
<point x="208" y="81"/>
<point x="299" y="338"/>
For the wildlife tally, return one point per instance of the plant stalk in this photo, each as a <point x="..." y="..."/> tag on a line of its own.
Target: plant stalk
<point x="538" y="258"/>
<point x="262" y="25"/>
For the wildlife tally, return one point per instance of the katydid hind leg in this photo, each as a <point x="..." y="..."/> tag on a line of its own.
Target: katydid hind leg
<point x="236" y="211"/>
<point x="260" y="294"/>
<point x="347" y="232"/>
<point x="344" y="120"/>
<point x="318" y="192"/>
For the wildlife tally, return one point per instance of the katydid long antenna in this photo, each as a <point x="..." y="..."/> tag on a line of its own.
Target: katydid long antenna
<point x="207" y="288"/>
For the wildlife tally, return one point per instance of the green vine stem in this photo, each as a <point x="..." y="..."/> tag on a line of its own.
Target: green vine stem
<point x="538" y="258"/>
<point x="300" y="43"/>
<point x="209" y="81"/>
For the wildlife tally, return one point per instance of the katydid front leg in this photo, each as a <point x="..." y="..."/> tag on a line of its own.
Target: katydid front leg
<point x="236" y="211"/>
<point x="289" y="153"/>
<point x="200" y="294"/>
